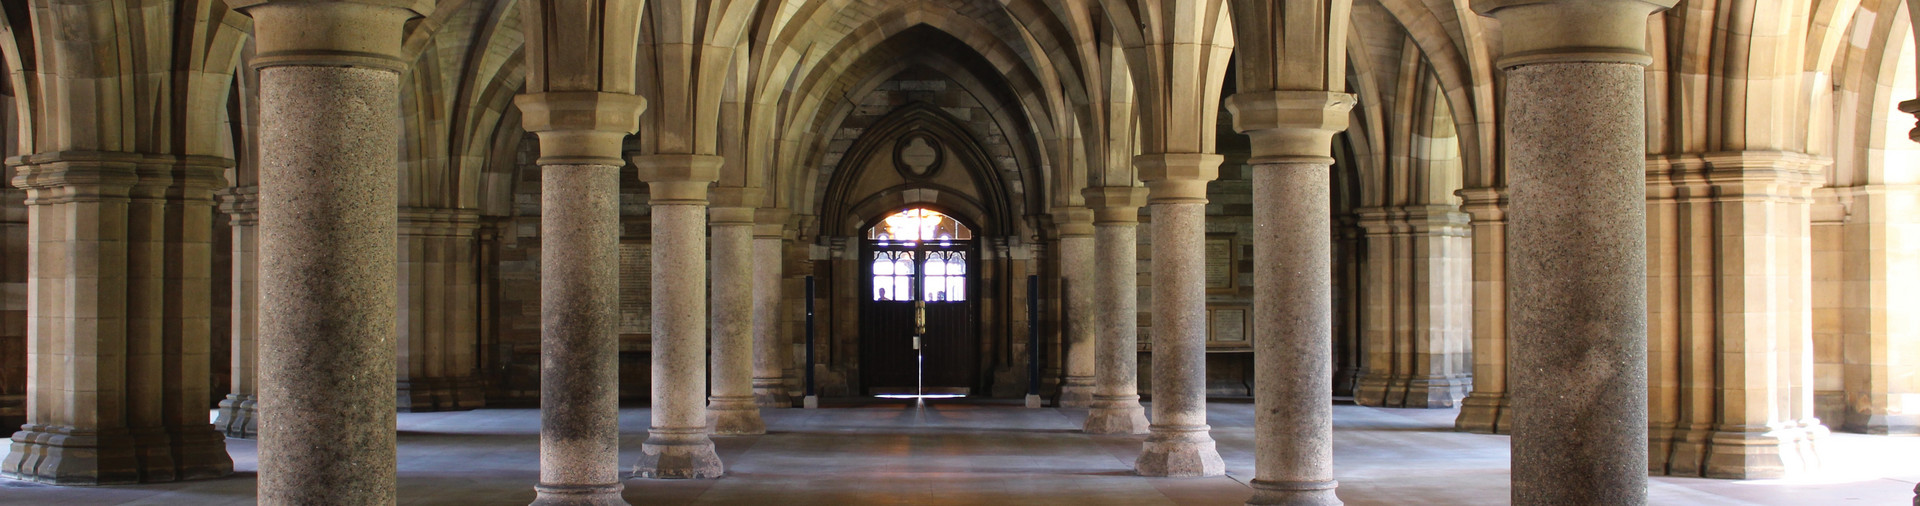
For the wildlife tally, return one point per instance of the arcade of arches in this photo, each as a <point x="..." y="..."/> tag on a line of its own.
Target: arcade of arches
<point x="1666" y="237"/>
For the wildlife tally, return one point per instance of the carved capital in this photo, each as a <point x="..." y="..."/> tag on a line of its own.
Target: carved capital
<point x="345" y="33"/>
<point x="678" y="179"/>
<point x="580" y="127"/>
<point x="1291" y="126"/>
<point x="1566" y="31"/>
<point x="1174" y="178"/>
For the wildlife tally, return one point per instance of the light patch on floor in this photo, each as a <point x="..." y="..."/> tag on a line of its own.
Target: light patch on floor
<point x="968" y="453"/>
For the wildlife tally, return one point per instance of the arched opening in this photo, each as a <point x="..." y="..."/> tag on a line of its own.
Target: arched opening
<point x="919" y="258"/>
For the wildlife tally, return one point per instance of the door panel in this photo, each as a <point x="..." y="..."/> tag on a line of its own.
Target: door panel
<point x="887" y="357"/>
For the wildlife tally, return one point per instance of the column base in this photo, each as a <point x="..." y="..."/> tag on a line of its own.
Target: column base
<point x="67" y="456"/>
<point x="1882" y="424"/>
<point x="678" y="456"/>
<point x="1116" y="415"/>
<point x="1294" y="493"/>
<point x="199" y="453"/>
<point x="427" y="395"/>
<point x="1687" y="453"/>
<point x="771" y="393"/>
<point x="239" y="417"/>
<point x="1374" y="390"/>
<point x="153" y="449"/>
<point x="1179" y="452"/>
<point x="1076" y="392"/>
<point x="578" y="495"/>
<point x="1749" y="453"/>
<point x="734" y="416"/>
<point x="1482" y="413"/>
<point x="1437" y="391"/>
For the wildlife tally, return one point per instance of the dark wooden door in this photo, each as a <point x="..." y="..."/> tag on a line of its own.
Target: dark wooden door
<point x="896" y="277"/>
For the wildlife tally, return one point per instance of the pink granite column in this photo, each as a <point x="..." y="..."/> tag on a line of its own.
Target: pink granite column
<point x="731" y="410"/>
<point x="769" y="347"/>
<point x="1178" y="443"/>
<point x="1576" y="137"/>
<point x="1116" y="400"/>
<point x="1292" y="135"/>
<point x="1077" y="267"/>
<point x="329" y="93"/>
<point x="580" y="135"/>
<point x="677" y="445"/>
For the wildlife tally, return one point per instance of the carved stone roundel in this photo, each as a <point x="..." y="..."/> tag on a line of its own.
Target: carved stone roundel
<point x="917" y="155"/>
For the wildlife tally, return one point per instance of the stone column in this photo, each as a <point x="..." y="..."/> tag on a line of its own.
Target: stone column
<point x="769" y="348"/>
<point x="1292" y="134"/>
<point x="437" y="303"/>
<point x="1576" y="136"/>
<point x="1485" y="408"/>
<point x="1077" y="265"/>
<point x="677" y="445"/>
<point x="329" y="91"/>
<point x="731" y="410"/>
<point x="580" y="135"/>
<point x="77" y="244"/>
<point x="1116" y="401"/>
<point x="1178" y="443"/>
<point x="238" y="417"/>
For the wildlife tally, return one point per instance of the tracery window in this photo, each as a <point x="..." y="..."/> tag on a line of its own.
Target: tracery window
<point x="893" y="275"/>
<point x="946" y="279"/>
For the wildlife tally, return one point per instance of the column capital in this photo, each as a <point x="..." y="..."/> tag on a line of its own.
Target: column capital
<point x="241" y="204"/>
<point x="1073" y="221"/>
<point x="678" y="179"/>
<point x="736" y="196"/>
<point x="344" y="33"/>
<point x="580" y="127"/>
<point x="1178" y="177"/>
<point x="1291" y="126"/>
<point x="729" y="216"/>
<point x="1566" y="31"/>
<point x="1487" y="204"/>
<point x="1113" y="205"/>
<point x="771" y="222"/>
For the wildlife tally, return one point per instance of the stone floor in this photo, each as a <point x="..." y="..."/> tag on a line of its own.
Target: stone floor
<point x="1001" y="455"/>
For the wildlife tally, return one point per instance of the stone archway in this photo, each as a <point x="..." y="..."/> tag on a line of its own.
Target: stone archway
<point x="918" y="156"/>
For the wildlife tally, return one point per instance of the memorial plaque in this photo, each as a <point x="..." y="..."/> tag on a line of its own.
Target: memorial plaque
<point x="1228" y="326"/>
<point x="1220" y="262"/>
<point x="636" y="288"/>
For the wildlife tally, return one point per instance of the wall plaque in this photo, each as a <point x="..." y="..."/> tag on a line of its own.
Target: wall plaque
<point x="1227" y="326"/>
<point x="1220" y="262"/>
<point x="636" y="288"/>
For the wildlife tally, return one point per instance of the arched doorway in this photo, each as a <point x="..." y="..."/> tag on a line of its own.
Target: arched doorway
<point x="913" y="257"/>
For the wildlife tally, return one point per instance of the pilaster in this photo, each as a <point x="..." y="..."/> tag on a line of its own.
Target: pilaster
<point x="1485" y="408"/>
<point x="438" y="311"/>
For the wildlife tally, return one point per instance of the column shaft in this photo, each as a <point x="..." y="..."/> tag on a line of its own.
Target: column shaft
<point x="1116" y="400"/>
<point x="238" y="416"/>
<point x="731" y="409"/>
<point x="1578" y="237"/>
<point x="579" y="344"/>
<point x="1293" y="334"/>
<point x="769" y="389"/>
<point x="677" y="445"/>
<point x="327" y="234"/>
<point x="1077" y="268"/>
<point x="1178" y="444"/>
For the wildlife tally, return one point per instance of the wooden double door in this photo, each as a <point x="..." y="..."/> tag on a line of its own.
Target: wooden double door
<point x="898" y="275"/>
